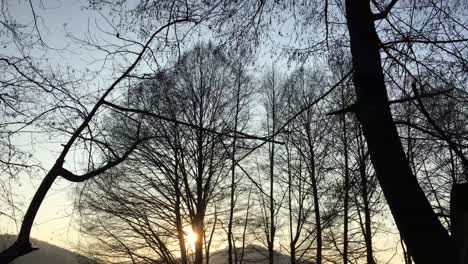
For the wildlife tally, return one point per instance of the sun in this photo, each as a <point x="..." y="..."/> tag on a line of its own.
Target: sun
<point x="190" y="236"/>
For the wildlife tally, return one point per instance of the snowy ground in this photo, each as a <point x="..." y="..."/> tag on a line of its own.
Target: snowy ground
<point x="48" y="254"/>
<point x="252" y="254"/>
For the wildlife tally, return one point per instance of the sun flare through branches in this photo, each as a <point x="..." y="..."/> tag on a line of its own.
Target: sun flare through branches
<point x="190" y="237"/>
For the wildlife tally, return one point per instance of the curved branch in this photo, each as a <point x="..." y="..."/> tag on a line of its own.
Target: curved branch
<point x="70" y="176"/>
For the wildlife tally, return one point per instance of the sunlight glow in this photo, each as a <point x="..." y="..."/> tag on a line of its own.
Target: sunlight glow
<point x="190" y="236"/>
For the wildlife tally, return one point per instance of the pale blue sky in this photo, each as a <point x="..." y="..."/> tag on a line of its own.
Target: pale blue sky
<point x="53" y="223"/>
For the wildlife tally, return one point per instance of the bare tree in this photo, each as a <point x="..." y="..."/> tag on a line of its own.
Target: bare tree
<point x="300" y="191"/>
<point x="176" y="179"/>
<point x="397" y="48"/>
<point x="272" y="92"/>
<point x="311" y="143"/>
<point x="243" y="89"/>
<point x="81" y="126"/>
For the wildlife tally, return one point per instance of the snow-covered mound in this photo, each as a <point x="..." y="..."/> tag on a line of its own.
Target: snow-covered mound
<point x="51" y="254"/>
<point x="252" y="254"/>
<point x="47" y="253"/>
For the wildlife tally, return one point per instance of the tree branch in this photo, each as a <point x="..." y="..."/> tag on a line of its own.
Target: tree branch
<point x="70" y="176"/>
<point x="236" y="134"/>
<point x="353" y="107"/>
<point x="383" y="14"/>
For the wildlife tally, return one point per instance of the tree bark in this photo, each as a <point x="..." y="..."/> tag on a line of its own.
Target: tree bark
<point x="426" y="238"/>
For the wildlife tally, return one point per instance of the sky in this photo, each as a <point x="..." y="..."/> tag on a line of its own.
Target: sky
<point x="54" y="222"/>
<point x="57" y="219"/>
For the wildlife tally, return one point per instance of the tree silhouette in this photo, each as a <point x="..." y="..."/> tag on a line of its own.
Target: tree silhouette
<point x="417" y="50"/>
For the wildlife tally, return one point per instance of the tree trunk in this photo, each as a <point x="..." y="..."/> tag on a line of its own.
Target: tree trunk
<point x="272" y="227"/>
<point x="292" y="240"/>
<point x="313" y="179"/>
<point x="180" y="230"/>
<point x="367" y="213"/>
<point x="244" y="233"/>
<point x="197" y="227"/>
<point x="231" y="213"/>
<point x="272" y="207"/>
<point x="364" y="192"/>
<point x="318" y="223"/>
<point x="346" y="184"/>
<point x="197" y="224"/>
<point x="233" y="174"/>
<point x="459" y="220"/>
<point x="22" y="245"/>
<point x="426" y="238"/>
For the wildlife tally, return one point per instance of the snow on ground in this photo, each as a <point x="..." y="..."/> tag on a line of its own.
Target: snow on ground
<point x="47" y="253"/>
<point x="252" y="254"/>
<point x="51" y="254"/>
